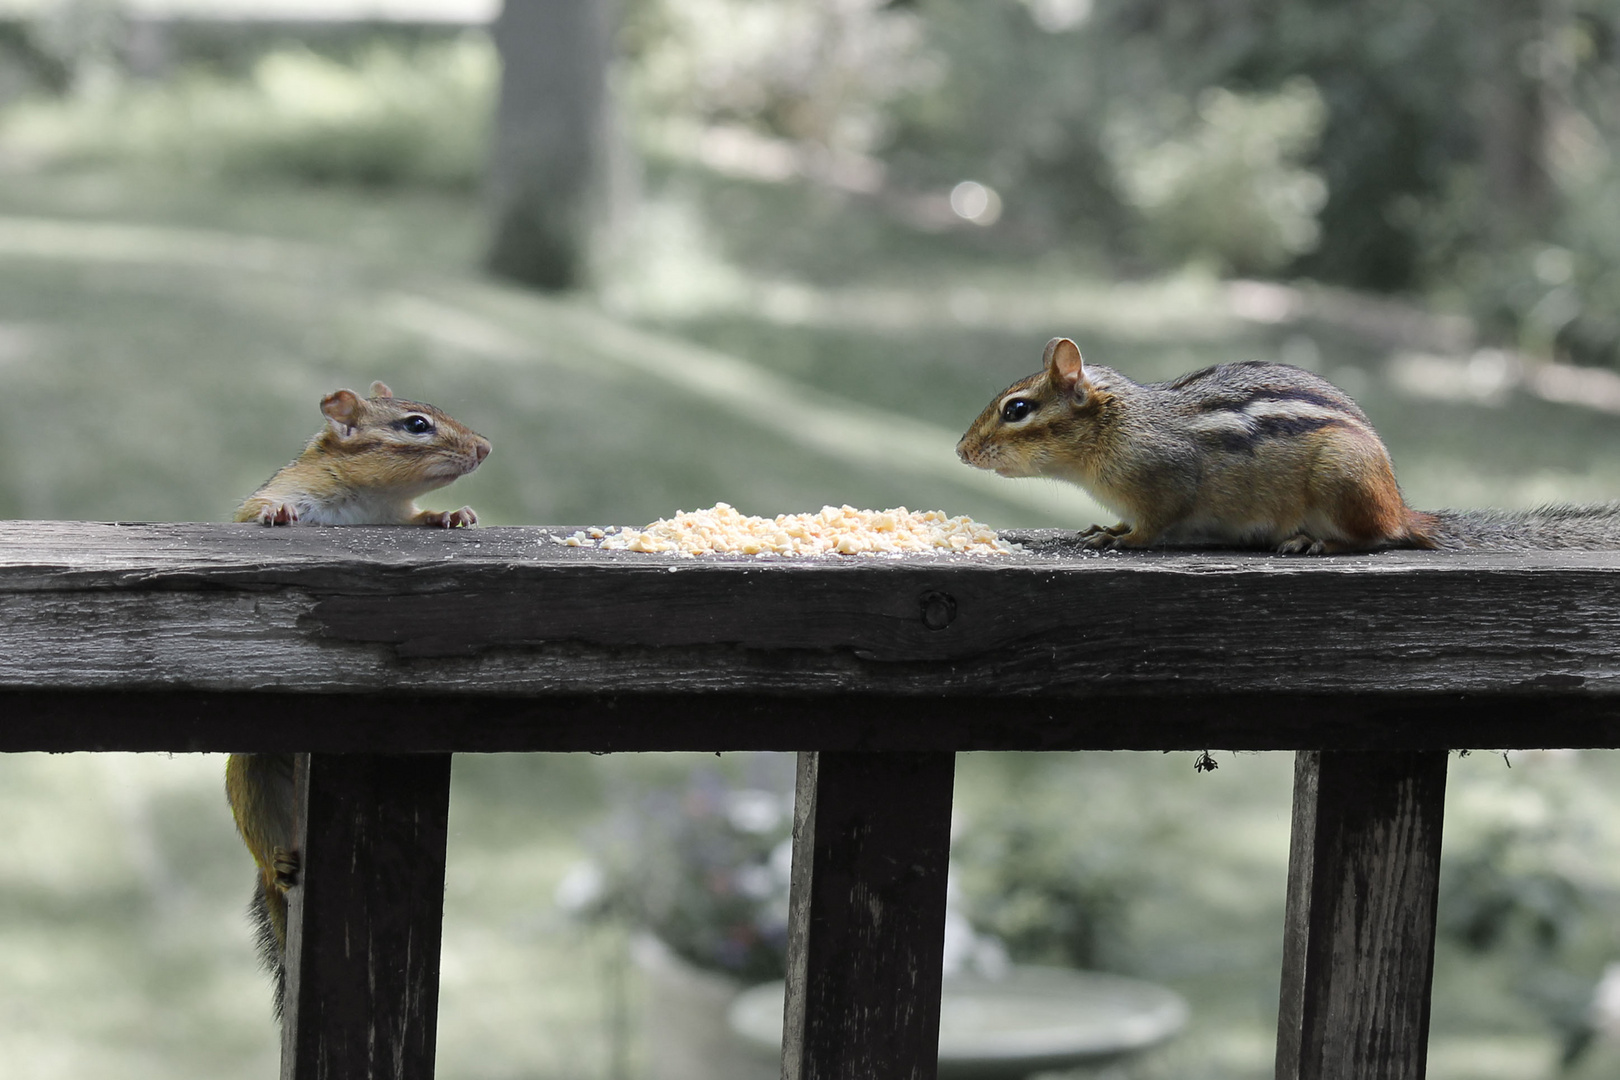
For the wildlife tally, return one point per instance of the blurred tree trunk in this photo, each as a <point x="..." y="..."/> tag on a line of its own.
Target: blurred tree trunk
<point x="1510" y="107"/>
<point x="548" y="173"/>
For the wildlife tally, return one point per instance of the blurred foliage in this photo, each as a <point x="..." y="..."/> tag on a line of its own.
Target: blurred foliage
<point x="1457" y="149"/>
<point x="1494" y="900"/>
<point x="1500" y="898"/>
<point x="813" y="70"/>
<point x="1468" y="149"/>
<point x="1225" y="182"/>
<point x="1460" y="149"/>
<point x="1524" y="882"/>
<point x="1047" y="890"/>
<point x="391" y="116"/>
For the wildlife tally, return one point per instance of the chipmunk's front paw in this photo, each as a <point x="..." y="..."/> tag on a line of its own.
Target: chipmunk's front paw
<point x="278" y="514"/>
<point x="1300" y="544"/>
<point x="449" y="519"/>
<point x="286" y="865"/>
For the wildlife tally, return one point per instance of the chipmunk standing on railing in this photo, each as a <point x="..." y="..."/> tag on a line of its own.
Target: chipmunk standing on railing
<point x="1251" y="454"/>
<point x="366" y="467"/>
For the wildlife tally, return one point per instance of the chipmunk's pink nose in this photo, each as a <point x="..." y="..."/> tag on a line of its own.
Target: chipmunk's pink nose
<point x="481" y="449"/>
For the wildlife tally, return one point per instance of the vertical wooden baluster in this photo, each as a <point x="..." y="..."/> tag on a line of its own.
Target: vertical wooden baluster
<point x="1358" y="947"/>
<point x="364" y="921"/>
<point x="871" y="840"/>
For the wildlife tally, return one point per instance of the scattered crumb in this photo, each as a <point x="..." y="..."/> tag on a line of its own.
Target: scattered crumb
<point x="836" y="530"/>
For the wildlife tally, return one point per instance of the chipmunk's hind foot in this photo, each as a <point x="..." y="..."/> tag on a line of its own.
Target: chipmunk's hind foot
<point x="285" y="865"/>
<point x="1099" y="537"/>
<point x="1303" y="544"/>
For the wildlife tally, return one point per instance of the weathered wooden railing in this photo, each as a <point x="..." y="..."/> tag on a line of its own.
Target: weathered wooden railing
<point x="380" y="652"/>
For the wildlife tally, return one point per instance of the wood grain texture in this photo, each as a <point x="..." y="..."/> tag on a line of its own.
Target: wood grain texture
<point x="1358" y="944"/>
<point x="871" y="840"/>
<point x="507" y="612"/>
<point x="364" y="921"/>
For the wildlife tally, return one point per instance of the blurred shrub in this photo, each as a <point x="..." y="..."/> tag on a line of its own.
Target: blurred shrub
<point x="1463" y="149"/>
<point x="1019" y="99"/>
<point x="1410" y="92"/>
<point x="1225" y="183"/>
<point x="1556" y="294"/>
<point x="1094" y="131"/>
<point x="1468" y="147"/>
<point x="395" y="116"/>
<point x="1496" y="897"/>
<point x="817" y="71"/>
<point x="1049" y="892"/>
<point x="1527" y="882"/>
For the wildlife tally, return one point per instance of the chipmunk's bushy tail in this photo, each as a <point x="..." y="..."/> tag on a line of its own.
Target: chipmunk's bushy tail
<point x="1422" y="530"/>
<point x="272" y="953"/>
<point x="1564" y="526"/>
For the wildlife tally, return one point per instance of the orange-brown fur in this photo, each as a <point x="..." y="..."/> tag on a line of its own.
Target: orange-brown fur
<point x="1249" y="454"/>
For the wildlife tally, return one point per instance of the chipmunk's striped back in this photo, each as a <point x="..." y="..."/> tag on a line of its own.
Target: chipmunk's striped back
<point x="1243" y="406"/>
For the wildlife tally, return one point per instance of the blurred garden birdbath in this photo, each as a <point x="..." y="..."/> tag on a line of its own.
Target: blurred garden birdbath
<point x="1031" y="1019"/>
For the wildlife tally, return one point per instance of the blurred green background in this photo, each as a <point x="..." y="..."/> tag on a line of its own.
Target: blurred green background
<point x="828" y="233"/>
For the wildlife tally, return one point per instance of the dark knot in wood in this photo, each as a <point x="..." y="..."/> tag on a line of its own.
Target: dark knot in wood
<point x="938" y="610"/>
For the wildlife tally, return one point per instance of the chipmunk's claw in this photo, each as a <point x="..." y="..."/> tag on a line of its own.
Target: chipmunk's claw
<point x="450" y="519"/>
<point x="279" y="514"/>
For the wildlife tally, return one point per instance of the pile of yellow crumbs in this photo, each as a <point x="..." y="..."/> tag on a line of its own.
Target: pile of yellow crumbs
<point x="837" y="530"/>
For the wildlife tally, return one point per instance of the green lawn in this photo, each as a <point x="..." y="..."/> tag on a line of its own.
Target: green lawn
<point x="163" y="349"/>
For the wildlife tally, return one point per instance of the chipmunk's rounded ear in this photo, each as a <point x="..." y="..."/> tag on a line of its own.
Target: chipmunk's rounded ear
<point x="1064" y="364"/>
<point x="342" y="409"/>
<point x="380" y="389"/>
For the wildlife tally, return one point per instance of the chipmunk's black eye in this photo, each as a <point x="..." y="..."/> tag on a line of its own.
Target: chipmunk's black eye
<point x="415" y="424"/>
<point x="1016" y="409"/>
